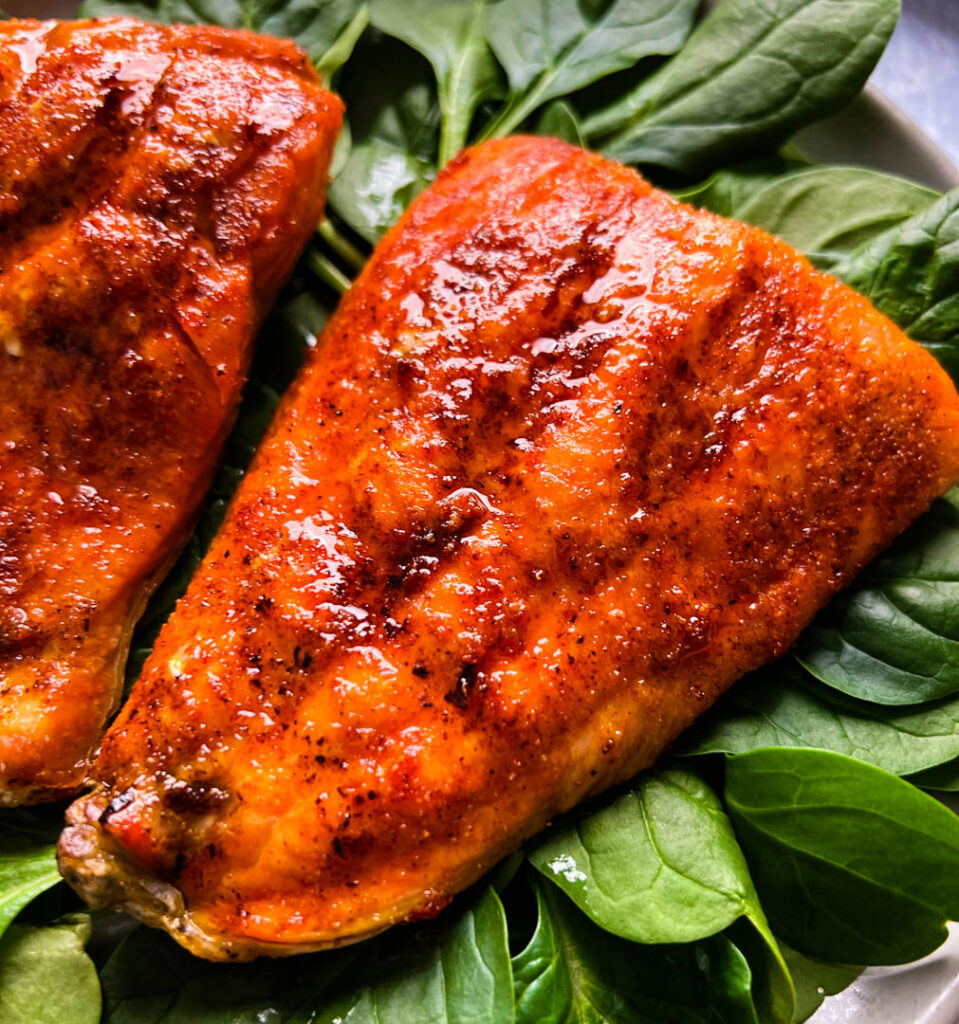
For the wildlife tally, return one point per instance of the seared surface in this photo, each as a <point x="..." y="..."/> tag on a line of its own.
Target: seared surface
<point x="571" y="459"/>
<point x="156" y="185"/>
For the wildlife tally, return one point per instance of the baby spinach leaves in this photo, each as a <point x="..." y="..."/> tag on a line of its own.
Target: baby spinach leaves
<point x="827" y="212"/>
<point x="893" y="637"/>
<point x="560" y="121"/>
<point x="395" y="122"/>
<point x="552" y="48"/>
<point x="911" y="273"/>
<point x="748" y="77"/>
<point x="28" y="865"/>
<point x="326" y="29"/>
<point x="726" y="190"/>
<point x="572" y="972"/>
<point x="783" y="706"/>
<point x="659" y="863"/>
<point x="450" y="35"/>
<point x="814" y="980"/>
<point x="379" y="181"/>
<point x="663" y="842"/>
<point x="852" y="864"/>
<point x="524" y="54"/>
<point x="46" y="976"/>
<point x="150" y="979"/>
<point x="164" y="11"/>
<point x="454" y="970"/>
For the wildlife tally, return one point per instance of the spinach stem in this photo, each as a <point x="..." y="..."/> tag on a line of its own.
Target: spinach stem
<point x="502" y="124"/>
<point x="340" y="244"/>
<point x="452" y="140"/>
<point x="515" y="112"/>
<point x="328" y="271"/>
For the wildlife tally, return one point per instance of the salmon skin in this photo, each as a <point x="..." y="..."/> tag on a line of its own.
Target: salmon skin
<point x="571" y="459"/>
<point x="156" y="186"/>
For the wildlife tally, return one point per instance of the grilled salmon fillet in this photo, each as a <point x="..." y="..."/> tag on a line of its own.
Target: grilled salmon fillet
<point x="156" y="185"/>
<point x="571" y="459"/>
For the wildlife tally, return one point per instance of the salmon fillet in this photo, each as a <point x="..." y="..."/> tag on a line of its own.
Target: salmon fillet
<point x="156" y="186"/>
<point x="571" y="459"/>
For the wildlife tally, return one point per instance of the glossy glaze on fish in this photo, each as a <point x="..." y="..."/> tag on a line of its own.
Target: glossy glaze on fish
<point x="571" y="458"/>
<point x="156" y="185"/>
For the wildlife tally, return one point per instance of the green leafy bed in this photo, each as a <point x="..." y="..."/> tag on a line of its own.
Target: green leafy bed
<point x="796" y="808"/>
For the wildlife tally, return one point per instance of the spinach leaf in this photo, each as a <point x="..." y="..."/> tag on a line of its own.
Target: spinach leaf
<point x="28" y="866"/>
<point x="827" y="212"/>
<point x="726" y="190"/>
<point x="661" y="844"/>
<point x="157" y="10"/>
<point x="852" y="864"/>
<point x="659" y="863"/>
<point x="395" y="119"/>
<point x="151" y="980"/>
<point x="911" y="273"/>
<point x="782" y="706"/>
<point x="559" y="120"/>
<point x="748" y="77"/>
<point x="45" y="975"/>
<point x="379" y="181"/>
<point x="893" y="637"/>
<point x="572" y="972"/>
<point x="390" y="93"/>
<point x="551" y="48"/>
<point x="814" y="980"/>
<point x="454" y="971"/>
<point x="326" y="29"/>
<point x="450" y="35"/>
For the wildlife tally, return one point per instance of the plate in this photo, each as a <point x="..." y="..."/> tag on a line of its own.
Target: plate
<point x="871" y="132"/>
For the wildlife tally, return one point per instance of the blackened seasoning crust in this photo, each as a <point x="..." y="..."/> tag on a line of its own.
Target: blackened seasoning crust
<point x="598" y="455"/>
